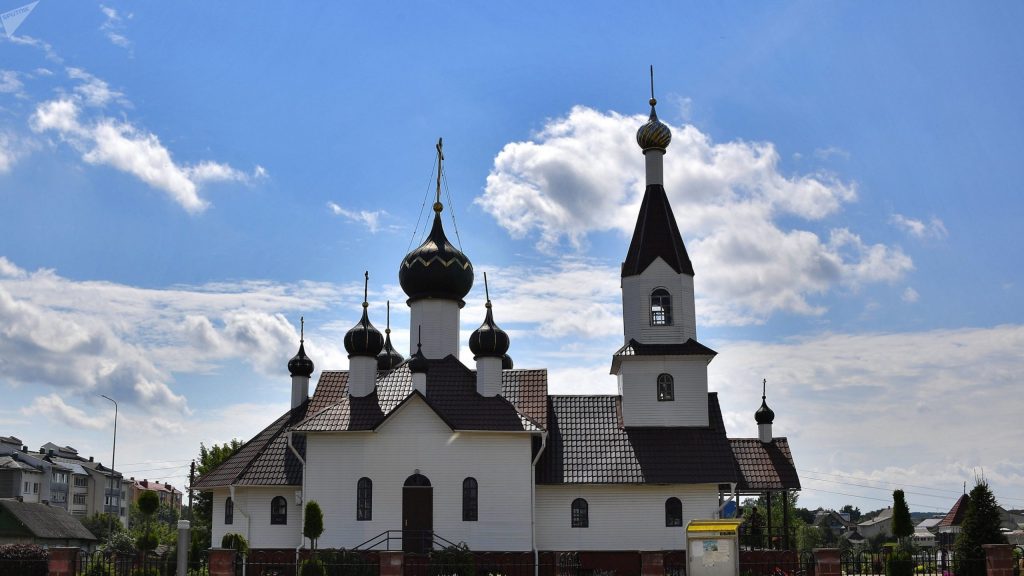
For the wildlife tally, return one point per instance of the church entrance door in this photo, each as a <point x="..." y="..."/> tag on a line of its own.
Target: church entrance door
<point x="417" y="514"/>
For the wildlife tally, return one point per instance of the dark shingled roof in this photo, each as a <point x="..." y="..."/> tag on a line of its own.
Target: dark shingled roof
<point x="265" y="460"/>
<point x="689" y="348"/>
<point x="44" y="522"/>
<point x="764" y="466"/>
<point x="589" y="445"/>
<point x="955" y="516"/>
<point x="656" y="234"/>
<point x="451" y="392"/>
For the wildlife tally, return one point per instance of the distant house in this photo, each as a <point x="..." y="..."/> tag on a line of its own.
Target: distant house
<point x="34" y="523"/>
<point x="168" y="495"/>
<point x="880" y="524"/>
<point x="924" y="533"/>
<point x="19" y="479"/>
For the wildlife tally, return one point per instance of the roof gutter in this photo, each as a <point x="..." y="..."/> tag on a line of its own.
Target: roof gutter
<point x="533" y="502"/>
<point x="302" y="509"/>
<point x="241" y="510"/>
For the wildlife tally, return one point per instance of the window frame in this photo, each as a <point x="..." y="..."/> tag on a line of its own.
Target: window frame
<point x="279" y="511"/>
<point x="665" y="387"/>
<point x="470" y="500"/>
<point x="229" y="511"/>
<point x="673" y="512"/>
<point x="662" y="316"/>
<point x="580" y="515"/>
<point x="364" y="499"/>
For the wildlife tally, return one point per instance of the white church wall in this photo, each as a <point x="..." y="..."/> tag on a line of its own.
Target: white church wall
<point x="254" y="502"/>
<point x="439" y="320"/>
<point x="638" y="385"/>
<point x="416" y="439"/>
<point x="621" y="516"/>
<point x="636" y="305"/>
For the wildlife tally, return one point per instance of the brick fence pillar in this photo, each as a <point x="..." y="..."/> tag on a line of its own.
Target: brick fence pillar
<point x="391" y="563"/>
<point x="63" y="562"/>
<point x="826" y="562"/>
<point x="652" y="564"/>
<point x="222" y="562"/>
<point x="998" y="559"/>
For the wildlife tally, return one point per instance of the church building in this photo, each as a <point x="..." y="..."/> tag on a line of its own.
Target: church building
<point x="437" y="448"/>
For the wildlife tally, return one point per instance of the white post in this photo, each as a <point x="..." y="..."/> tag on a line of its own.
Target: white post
<point x="184" y="543"/>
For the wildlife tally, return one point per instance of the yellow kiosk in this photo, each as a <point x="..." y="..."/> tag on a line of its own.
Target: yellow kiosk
<point x="712" y="548"/>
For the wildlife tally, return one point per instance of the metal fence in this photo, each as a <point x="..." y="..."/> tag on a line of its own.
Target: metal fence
<point x="932" y="562"/>
<point x="125" y="565"/>
<point x="24" y="567"/>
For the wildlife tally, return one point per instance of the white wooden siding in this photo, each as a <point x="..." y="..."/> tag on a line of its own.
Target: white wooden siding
<point x="417" y="439"/>
<point x="636" y="305"/>
<point x="254" y="502"/>
<point x="622" y="516"/>
<point x="638" y="386"/>
<point x="488" y="376"/>
<point x="440" y="322"/>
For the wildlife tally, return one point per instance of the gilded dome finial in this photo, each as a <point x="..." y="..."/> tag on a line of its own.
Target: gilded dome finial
<point x="654" y="135"/>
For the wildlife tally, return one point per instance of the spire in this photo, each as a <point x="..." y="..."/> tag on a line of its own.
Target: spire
<point x="488" y="339"/>
<point x="300" y="364"/>
<point x="440" y="160"/>
<point x="654" y="135"/>
<point x="764" y="414"/>
<point x="388" y="357"/>
<point x="364" y="339"/>
<point x="418" y="362"/>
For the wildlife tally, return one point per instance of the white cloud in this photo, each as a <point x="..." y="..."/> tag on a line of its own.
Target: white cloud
<point x="910" y="295"/>
<point x="931" y="405"/>
<point x="933" y="229"/>
<point x="831" y="152"/>
<point x="113" y="27"/>
<point x="88" y="338"/>
<point x="126" y="148"/>
<point x="9" y="82"/>
<point x="53" y="406"/>
<point x="729" y="199"/>
<point x="9" y="153"/>
<point x="94" y="91"/>
<point x="368" y="218"/>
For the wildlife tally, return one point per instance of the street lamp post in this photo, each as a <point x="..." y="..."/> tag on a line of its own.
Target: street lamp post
<point x="113" y="454"/>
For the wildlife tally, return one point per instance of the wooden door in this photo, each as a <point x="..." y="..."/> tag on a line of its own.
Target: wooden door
<point x="417" y="515"/>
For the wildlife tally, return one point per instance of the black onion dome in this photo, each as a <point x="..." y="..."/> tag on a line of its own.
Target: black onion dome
<point x="388" y="357"/>
<point x="653" y="134"/>
<point x="488" y="339"/>
<point x="363" y="339"/>
<point x="300" y="364"/>
<point x="436" y="269"/>
<point x="506" y="362"/>
<point x="418" y="362"/>
<point x="764" y="414"/>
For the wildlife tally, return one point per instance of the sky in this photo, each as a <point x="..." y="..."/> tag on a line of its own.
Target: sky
<point x="181" y="182"/>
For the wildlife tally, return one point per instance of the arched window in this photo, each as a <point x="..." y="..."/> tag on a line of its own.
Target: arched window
<point x="364" y="499"/>
<point x="469" y="500"/>
<point x="229" y="511"/>
<point x="278" y="510"/>
<point x="666" y="388"/>
<point x="673" y="512"/>
<point x="661" y="308"/>
<point x="580" y="513"/>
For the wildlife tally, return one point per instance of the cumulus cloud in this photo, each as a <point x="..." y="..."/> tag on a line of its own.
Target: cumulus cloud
<point x="9" y="82"/>
<point x="910" y="295"/>
<point x="934" y="228"/>
<point x="9" y="153"/>
<point x="922" y="400"/>
<point x="121" y="145"/>
<point x="88" y="338"/>
<point x="53" y="406"/>
<point x="730" y="200"/>
<point x="94" y="91"/>
<point x="369" y="218"/>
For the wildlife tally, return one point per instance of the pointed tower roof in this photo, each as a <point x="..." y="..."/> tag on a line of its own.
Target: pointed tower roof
<point x="388" y="357"/>
<point x="488" y="339"/>
<point x="656" y="233"/>
<point x="364" y="339"/>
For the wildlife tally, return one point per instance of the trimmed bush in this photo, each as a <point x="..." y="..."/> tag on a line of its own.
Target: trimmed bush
<point x="23" y="559"/>
<point x="312" y="567"/>
<point x="899" y="563"/>
<point x="235" y="542"/>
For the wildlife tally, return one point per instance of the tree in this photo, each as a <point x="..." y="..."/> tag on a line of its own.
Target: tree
<point x="796" y="516"/>
<point x="853" y="511"/>
<point x="102" y="525"/>
<point x="313" y="526"/>
<point x="980" y="526"/>
<point x="202" y="506"/>
<point x="148" y="504"/>
<point x="902" y="525"/>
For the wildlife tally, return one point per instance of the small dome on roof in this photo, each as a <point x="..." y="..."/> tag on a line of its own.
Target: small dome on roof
<point x="506" y="362"/>
<point x="653" y="134"/>
<point x="436" y="269"/>
<point x="418" y="362"/>
<point x="764" y="414"/>
<point x="488" y="339"/>
<point x="363" y="339"/>
<point x="388" y="357"/>
<point x="300" y="364"/>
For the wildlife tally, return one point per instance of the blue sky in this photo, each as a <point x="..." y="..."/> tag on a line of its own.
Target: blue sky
<point x="180" y="182"/>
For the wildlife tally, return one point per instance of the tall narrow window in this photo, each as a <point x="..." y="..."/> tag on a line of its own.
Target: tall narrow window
<point x="364" y="499"/>
<point x="469" y="500"/>
<point x="229" y="511"/>
<point x="673" y="512"/>
<point x="278" y="510"/>
<point x="580" y="514"/>
<point x="666" y="388"/>
<point x="661" y="308"/>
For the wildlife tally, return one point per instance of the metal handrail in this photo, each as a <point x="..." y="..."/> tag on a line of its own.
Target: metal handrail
<point x="387" y="536"/>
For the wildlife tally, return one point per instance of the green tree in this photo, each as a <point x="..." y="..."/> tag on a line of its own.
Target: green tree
<point x="313" y="525"/>
<point x="796" y="517"/>
<point x="202" y="503"/>
<point x="100" y="525"/>
<point x="980" y="526"/>
<point x="902" y="525"/>
<point x="853" y="511"/>
<point x="148" y="504"/>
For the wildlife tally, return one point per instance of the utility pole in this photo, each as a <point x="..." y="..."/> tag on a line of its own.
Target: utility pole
<point x="191" y="481"/>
